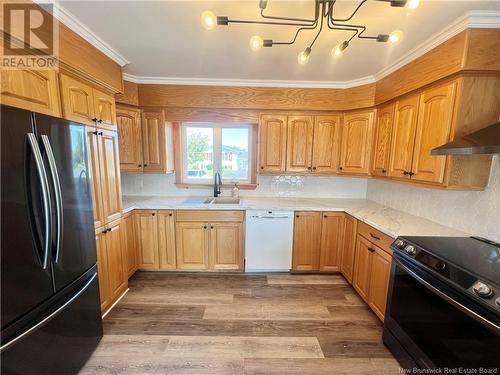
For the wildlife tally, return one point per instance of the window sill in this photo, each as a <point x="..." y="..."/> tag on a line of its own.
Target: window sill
<point x="246" y="186"/>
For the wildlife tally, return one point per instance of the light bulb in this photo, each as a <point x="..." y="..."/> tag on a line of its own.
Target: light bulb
<point x="303" y="57"/>
<point x="256" y="43"/>
<point x="208" y="20"/>
<point x="337" y="50"/>
<point x="395" y="36"/>
<point x="413" y="4"/>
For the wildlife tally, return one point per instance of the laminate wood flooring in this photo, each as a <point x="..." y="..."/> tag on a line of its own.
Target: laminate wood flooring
<point x="172" y="323"/>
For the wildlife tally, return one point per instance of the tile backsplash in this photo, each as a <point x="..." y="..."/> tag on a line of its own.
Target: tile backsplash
<point x="269" y="186"/>
<point x="475" y="212"/>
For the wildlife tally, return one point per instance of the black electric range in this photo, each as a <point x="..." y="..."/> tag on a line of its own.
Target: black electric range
<point x="443" y="308"/>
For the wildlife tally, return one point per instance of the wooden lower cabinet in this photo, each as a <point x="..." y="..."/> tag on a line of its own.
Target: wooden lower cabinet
<point x="166" y="240"/>
<point x="362" y="267"/>
<point x="192" y="240"/>
<point x="306" y="241"/>
<point x="332" y="241"/>
<point x="110" y="264"/>
<point x="226" y="246"/>
<point x="146" y="227"/>
<point x="379" y="281"/>
<point x="129" y="244"/>
<point x="349" y="247"/>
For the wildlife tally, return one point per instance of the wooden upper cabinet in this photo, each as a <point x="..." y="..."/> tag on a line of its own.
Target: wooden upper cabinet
<point x="192" y="245"/>
<point x="434" y="124"/>
<point x="146" y="227"/>
<point x="104" y="107"/>
<point x="272" y="143"/>
<point x="95" y="175"/>
<point x="326" y="145"/>
<point x="357" y="130"/>
<point x="166" y="240"/>
<point x="226" y="246"/>
<point x="130" y="139"/>
<point x="299" y="143"/>
<point x="332" y="241"/>
<point x="349" y="247"/>
<point x="77" y="100"/>
<point x="153" y="141"/>
<point x="403" y="137"/>
<point x="34" y="90"/>
<point x="382" y="140"/>
<point x="379" y="281"/>
<point x="362" y="267"/>
<point x="110" y="174"/>
<point x="306" y="241"/>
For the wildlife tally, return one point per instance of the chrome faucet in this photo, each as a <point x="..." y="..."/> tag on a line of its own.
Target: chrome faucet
<point x="217" y="184"/>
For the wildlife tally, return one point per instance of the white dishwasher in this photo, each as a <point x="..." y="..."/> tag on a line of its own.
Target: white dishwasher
<point x="268" y="240"/>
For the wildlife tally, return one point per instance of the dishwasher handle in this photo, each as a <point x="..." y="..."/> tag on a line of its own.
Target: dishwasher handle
<point x="270" y="217"/>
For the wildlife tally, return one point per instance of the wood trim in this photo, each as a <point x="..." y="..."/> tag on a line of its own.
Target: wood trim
<point x="130" y="95"/>
<point x="208" y="216"/>
<point x="483" y="50"/>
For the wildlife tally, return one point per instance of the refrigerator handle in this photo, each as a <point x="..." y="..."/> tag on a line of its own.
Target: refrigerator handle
<point x="42" y="175"/>
<point x="58" y="194"/>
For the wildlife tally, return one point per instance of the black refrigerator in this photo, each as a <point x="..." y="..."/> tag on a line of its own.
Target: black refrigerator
<point x="50" y="311"/>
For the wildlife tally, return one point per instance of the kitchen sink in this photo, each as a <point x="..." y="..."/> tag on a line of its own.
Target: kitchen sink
<point x="222" y="200"/>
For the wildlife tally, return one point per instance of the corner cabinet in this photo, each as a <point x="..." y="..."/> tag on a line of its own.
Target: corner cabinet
<point x="349" y="247"/>
<point x="356" y="143"/>
<point x="130" y="139"/>
<point x="382" y="141"/>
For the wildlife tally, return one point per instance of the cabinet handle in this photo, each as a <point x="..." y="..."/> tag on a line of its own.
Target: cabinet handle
<point x="406" y="173"/>
<point x="384" y="171"/>
<point x="341" y="168"/>
<point x="145" y="165"/>
<point x="211" y="227"/>
<point x="261" y="167"/>
<point x="308" y="168"/>
<point x="411" y="173"/>
<point x="95" y="132"/>
<point x="169" y="214"/>
<point x="204" y="227"/>
<point x="373" y="236"/>
<point x="104" y="231"/>
<point x="101" y="133"/>
<point x="99" y="121"/>
<point x="325" y="216"/>
<point x="296" y="215"/>
<point x="371" y="249"/>
<point x="139" y="165"/>
<point x="94" y="119"/>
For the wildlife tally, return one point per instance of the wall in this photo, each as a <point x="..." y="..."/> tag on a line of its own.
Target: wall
<point x="307" y="187"/>
<point x="475" y="212"/>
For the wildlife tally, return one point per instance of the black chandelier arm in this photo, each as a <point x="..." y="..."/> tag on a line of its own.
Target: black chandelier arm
<point x="351" y="16"/>
<point x="356" y="31"/>
<point x="266" y="23"/>
<point x="319" y="32"/>
<point x="316" y="15"/>
<point x="359" y="27"/>
<point x="297" y="34"/>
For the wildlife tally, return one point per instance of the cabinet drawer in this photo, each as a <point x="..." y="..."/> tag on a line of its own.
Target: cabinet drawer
<point x="375" y="236"/>
<point x="209" y="216"/>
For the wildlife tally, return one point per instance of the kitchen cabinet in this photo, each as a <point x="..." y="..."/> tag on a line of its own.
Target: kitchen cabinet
<point x="349" y="247"/>
<point x="129" y="244"/>
<point x="272" y="143"/>
<point x="299" y="143"/>
<point x="146" y="226"/>
<point x="306" y="241"/>
<point x="153" y="141"/>
<point x="104" y="108"/>
<point x="356" y="141"/>
<point x="209" y="240"/>
<point x="362" y="267"/>
<point x="332" y="241"/>
<point x="325" y="159"/>
<point x="33" y="90"/>
<point x="95" y="176"/>
<point x="130" y="139"/>
<point x="382" y="140"/>
<point x="379" y="281"/>
<point x="110" y="264"/>
<point x="403" y="137"/>
<point x="166" y="240"/>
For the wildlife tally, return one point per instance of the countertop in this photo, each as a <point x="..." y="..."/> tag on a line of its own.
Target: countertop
<point x="392" y="222"/>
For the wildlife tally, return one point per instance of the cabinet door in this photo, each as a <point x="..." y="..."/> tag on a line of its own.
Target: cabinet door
<point x="326" y="144"/>
<point x="403" y="137"/>
<point x="435" y="117"/>
<point x="379" y="281"/>
<point x="382" y="140"/>
<point x="272" y="143"/>
<point x="355" y="154"/>
<point x="34" y="90"/>
<point x="332" y="239"/>
<point x="299" y="143"/>
<point x="226" y="246"/>
<point x="117" y="274"/>
<point x="192" y="245"/>
<point x="77" y="100"/>
<point x="306" y="241"/>
<point x="129" y="244"/>
<point x="103" y="270"/>
<point x="110" y="174"/>
<point x="349" y="247"/>
<point x="166" y="239"/>
<point x="146" y="226"/>
<point x="362" y="267"/>
<point x="130" y="139"/>
<point x="104" y="107"/>
<point x="95" y="175"/>
<point x="153" y="141"/>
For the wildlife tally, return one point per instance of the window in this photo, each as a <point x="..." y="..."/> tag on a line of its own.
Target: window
<point x="207" y="148"/>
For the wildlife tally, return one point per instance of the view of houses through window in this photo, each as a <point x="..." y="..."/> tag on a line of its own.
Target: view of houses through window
<point x="208" y="148"/>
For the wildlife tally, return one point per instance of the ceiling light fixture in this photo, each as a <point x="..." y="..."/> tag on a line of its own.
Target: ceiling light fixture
<point x="323" y="16"/>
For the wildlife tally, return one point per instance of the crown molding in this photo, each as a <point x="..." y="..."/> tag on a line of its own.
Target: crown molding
<point x="71" y="21"/>
<point x="248" y="82"/>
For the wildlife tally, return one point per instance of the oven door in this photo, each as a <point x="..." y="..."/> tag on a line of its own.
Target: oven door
<point x="431" y="325"/>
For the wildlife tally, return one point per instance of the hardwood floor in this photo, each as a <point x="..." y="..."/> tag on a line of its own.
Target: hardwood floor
<point x="241" y="324"/>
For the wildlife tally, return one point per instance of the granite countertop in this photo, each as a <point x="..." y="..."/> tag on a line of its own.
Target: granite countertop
<point x="392" y="222"/>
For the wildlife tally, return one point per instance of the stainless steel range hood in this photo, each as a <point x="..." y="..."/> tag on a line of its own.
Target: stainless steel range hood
<point x="483" y="141"/>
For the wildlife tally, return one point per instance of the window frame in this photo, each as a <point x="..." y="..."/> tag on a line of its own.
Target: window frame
<point x="181" y="171"/>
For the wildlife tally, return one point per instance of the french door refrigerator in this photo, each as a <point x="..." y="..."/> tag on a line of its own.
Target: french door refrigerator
<point x="50" y="311"/>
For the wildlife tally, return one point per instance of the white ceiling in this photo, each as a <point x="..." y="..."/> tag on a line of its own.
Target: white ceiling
<point x="166" y="39"/>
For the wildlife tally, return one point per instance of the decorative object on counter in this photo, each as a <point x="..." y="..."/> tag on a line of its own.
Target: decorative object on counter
<point x="323" y="15"/>
<point x="235" y="193"/>
<point x="287" y="186"/>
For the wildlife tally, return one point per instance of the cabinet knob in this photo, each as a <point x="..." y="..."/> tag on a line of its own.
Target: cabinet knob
<point x="104" y="231"/>
<point x="261" y="167"/>
<point x="406" y="173"/>
<point x="170" y="214"/>
<point x="384" y="171"/>
<point x="211" y="227"/>
<point x="411" y="173"/>
<point x="145" y="165"/>
<point x="204" y="227"/>
<point x="95" y="132"/>
<point x="153" y="214"/>
<point x="296" y="215"/>
<point x="94" y="119"/>
<point x="314" y="168"/>
<point x="139" y="165"/>
<point x="308" y="168"/>
<point x="325" y="216"/>
<point x="341" y="168"/>
<point x="371" y="249"/>
<point x="101" y="133"/>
